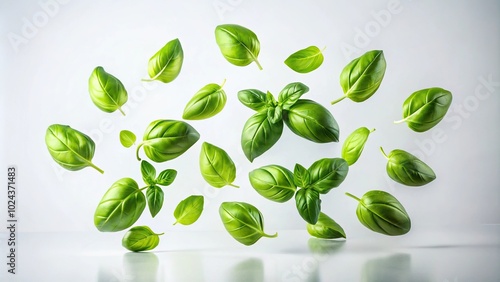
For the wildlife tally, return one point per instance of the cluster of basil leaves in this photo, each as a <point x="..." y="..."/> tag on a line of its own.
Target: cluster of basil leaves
<point x="164" y="140"/>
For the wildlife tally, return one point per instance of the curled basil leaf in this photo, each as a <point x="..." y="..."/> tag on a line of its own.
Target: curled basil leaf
<point x="308" y="204"/>
<point x="275" y="114"/>
<point x="166" y="64"/>
<point x="216" y="166"/>
<point x="273" y="182"/>
<point x="120" y="207"/>
<point x="70" y="148"/>
<point x="253" y="98"/>
<point x="239" y="45"/>
<point x="189" y="210"/>
<point x="361" y="78"/>
<point x="354" y="144"/>
<point x="291" y="94"/>
<point x="425" y="108"/>
<point x="148" y="173"/>
<point x="166" y="177"/>
<point x="259" y="135"/>
<point x="140" y="238"/>
<point x="407" y="169"/>
<point x="305" y="60"/>
<point x="127" y="138"/>
<point x="206" y="103"/>
<point x="301" y="176"/>
<point x="379" y="211"/>
<point x="327" y="173"/>
<point x="326" y="228"/>
<point x="243" y="221"/>
<point x="165" y="140"/>
<point x="106" y="91"/>
<point x="155" y="197"/>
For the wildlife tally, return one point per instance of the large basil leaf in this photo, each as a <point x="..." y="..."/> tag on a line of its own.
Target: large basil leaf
<point x="291" y="94"/>
<point x="239" y="45"/>
<point x="70" y="148"/>
<point x="312" y="121"/>
<point x="207" y="102"/>
<point x="189" y="210"/>
<point x="216" y="166"/>
<point x="167" y="139"/>
<point x="106" y="91"/>
<point x="166" y="64"/>
<point x="259" y="135"/>
<point x="253" y="98"/>
<point x="273" y="182"/>
<point x="305" y="60"/>
<point x="326" y="228"/>
<point x="120" y="207"/>
<point x="155" y="198"/>
<point x="425" y="108"/>
<point x="379" y="211"/>
<point x="308" y="204"/>
<point x="243" y="221"/>
<point x="127" y="138"/>
<point x="354" y="144"/>
<point x="361" y="78"/>
<point x="301" y="176"/>
<point x="327" y="173"/>
<point x="140" y="238"/>
<point x="148" y="172"/>
<point x="407" y="169"/>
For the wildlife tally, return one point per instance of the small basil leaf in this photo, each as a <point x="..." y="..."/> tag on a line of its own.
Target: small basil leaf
<point x="270" y="100"/>
<point x="106" y="91"/>
<point x="259" y="135"/>
<point x="253" y="98"/>
<point x="308" y="204"/>
<point x="127" y="138"/>
<point x="239" y="45"/>
<point x="305" y="60"/>
<point x="140" y="238"/>
<point x="291" y="94"/>
<point x="155" y="197"/>
<point x="354" y="144"/>
<point x="326" y="228"/>
<point x="327" y="173"/>
<point x="274" y="114"/>
<point x="148" y="173"/>
<point x="301" y="176"/>
<point x="189" y="210"/>
<point x="206" y="103"/>
<point x="243" y="221"/>
<point x="273" y="182"/>
<point x="407" y="169"/>
<point x="216" y="166"/>
<point x="166" y="177"/>
<point x="379" y="211"/>
<point x="166" y="64"/>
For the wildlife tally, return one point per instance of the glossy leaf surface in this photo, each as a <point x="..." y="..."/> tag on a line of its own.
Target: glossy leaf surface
<point x="165" y="65"/>
<point x="305" y="60"/>
<point x="206" y="103"/>
<point x="216" y="166"/>
<point x="407" y="169"/>
<point x="354" y="144"/>
<point x="327" y="173"/>
<point x="106" y="91"/>
<point x="259" y="135"/>
<point x="239" y="45"/>
<point x="189" y="210"/>
<point x="140" y="238"/>
<point x="326" y="228"/>
<point x="273" y="182"/>
<point x="308" y="204"/>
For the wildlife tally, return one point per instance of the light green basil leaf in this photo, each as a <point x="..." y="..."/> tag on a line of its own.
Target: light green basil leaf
<point x="407" y="169"/>
<point x="270" y="100"/>
<point x="239" y="45"/>
<point x="216" y="166"/>
<point x="327" y="173"/>
<point x="148" y="173"/>
<point x="275" y="114"/>
<point x="291" y="94"/>
<point x="305" y="60"/>
<point x="301" y="176"/>
<point x="127" y="138"/>
<point x="206" y="103"/>
<point x="326" y="228"/>
<point x="166" y="177"/>
<point x="106" y="91"/>
<point x="273" y="182"/>
<point x="166" y="64"/>
<point x="259" y="135"/>
<point x="155" y="197"/>
<point x="253" y="98"/>
<point x="354" y="144"/>
<point x="140" y="238"/>
<point x="189" y="210"/>
<point x="308" y="204"/>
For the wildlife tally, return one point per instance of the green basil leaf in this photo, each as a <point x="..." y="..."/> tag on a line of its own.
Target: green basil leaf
<point x="361" y="78"/>
<point x="120" y="207"/>
<point x="166" y="177"/>
<point x="155" y="197"/>
<point x="140" y="238"/>
<point x="312" y="121"/>
<point x="239" y="45"/>
<point x="291" y="94"/>
<point x="354" y="144"/>
<point x="253" y="98"/>
<point x="308" y="204"/>
<point x="305" y="60"/>
<point x="127" y="138"/>
<point x="166" y="64"/>
<point x="301" y="176"/>
<point x="273" y="182"/>
<point x="106" y="91"/>
<point x="243" y="221"/>
<point x="327" y="173"/>
<point x="259" y="135"/>
<point x="148" y="173"/>
<point x="425" y="108"/>
<point x="326" y="228"/>
<point x="270" y="100"/>
<point x="274" y="114"/>
<point x="189" y="210"/>
<point x="381" y="212"/>
<point x="165" y="140"/>
<point x="216" y="166"/>
<point x="407" y="169"/>
<point x="70" y="148"/>
<point x="206" y="103"/>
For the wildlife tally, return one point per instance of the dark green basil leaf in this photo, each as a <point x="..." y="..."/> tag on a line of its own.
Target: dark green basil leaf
<point x="243" y="221"/>
<point x="291" y="94"/>
<point x="259" y="135"/>
<point x="326" y="228"/>
<point x="216" y="166"/>
<point x="140" y="238"/>
<point x="361" y="78"/>
<point x="312" y="121"/>
<point x="148" y="173"/>
<point x="425" y="108"/>
<point x="274" y="114"/>
<point x="166" y="64"/>
<point x="206" y="103"/>
<point x="354" y="144"/>
<point x="379" y="211"/>
<point x="273" y="182"/>
<point x="301" y="176"/>
<point x="327" y="173"/>
<point x="106" y="91"/>
<point x="308" y="204"/>
<point x="407" y="169"/>
<point x="70" y="148"/>
<point x="239" y="45"/>
<point x="165" y="140"/>
<point x="166" y="177"/>
<point x="155" y="197"/>
<point x="127" y="138"/>
<point x="189" y="210"/>
<point x="253" y="98"/>
<point x="305" y="60"/>
<point x="120" y="207"/>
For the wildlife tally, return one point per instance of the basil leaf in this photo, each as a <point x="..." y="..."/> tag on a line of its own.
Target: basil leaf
<point x="140" y="238"/>
<point x="70" y="148"/>
<point x="165" y="140"/>
<point x="127" y="138"/>
<point x="106" y="91"/>
<point x="326" y="228"/>
<point x="327" y="173"/>
<point x="379" y="211"/>
<point x="354" y="144"/>
<point x="253" y="98"/>
<point x="312" y="121"/>
<point x="301" y="176"/>
<point x="166" y="64"/>
<point x="407" y="169"/>
<point x="148" y="173"/>
<point x="207" y="102"/>
<point x="425" y="108"/>
<point x="216" y="166"/>
<point x="273" y="182"/>
<point x="291" y="94"/>
<point x="305" y="60"/>
<point x="155" y="197"/>
<point x="120" y="207"/>
<point x="308" y="204"/>
<point x="270" y="100"/>
<point x="166" y="177"/>
<point x="239" y="45"/>
<point x="259" y="135"/>
<point x="361" y="78"/>
<point x="274" y="114"/>
<point x="189" y="210"/>
<point x="243" y="221"/>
